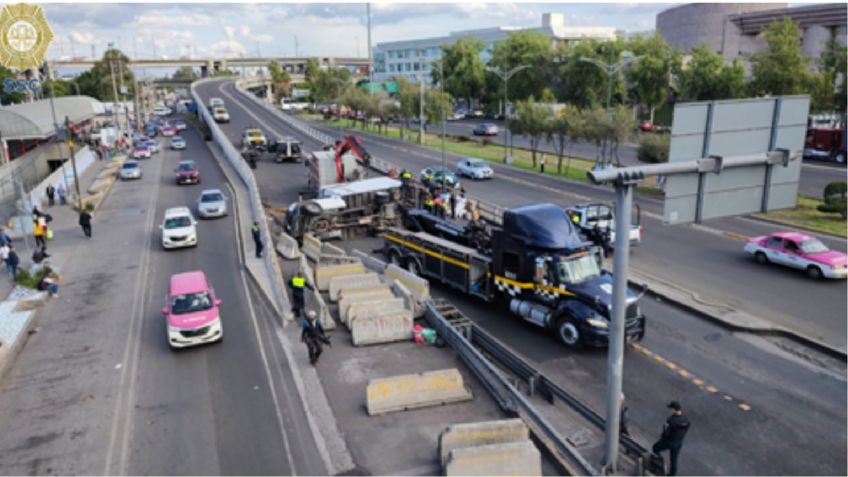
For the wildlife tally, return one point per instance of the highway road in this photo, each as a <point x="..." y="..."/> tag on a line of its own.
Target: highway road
<point x="710" y="267"/>
<point x="755" y="408"/>
<point x="98" y="391"/>
<point x="815" y="175"/>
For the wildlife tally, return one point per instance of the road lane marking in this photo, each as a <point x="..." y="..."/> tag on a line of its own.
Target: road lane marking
<point x="745" y="407"/>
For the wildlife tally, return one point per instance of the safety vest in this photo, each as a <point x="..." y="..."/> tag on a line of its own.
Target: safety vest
<point x="406" y="175"/>
<point x="428" y="203"/>
<point x="298" y="282"/>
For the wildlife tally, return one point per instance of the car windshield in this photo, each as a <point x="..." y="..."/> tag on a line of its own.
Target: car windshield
<point x="254" y="133"/>
<point x="213" y="197"/>
<point x="813" y="246"/>
<point x="186" y="166"/>
<point x="177" y="222"/>
<point x="476" y="164"/>
<point x="176" y="139"/>
<point x="130" y="165"/>
<point x="190" y="303"/>
<point x="576" y="270"/>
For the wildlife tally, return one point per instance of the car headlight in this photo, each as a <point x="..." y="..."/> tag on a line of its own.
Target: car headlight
<point x="598" y="323"/>
<point x="173" y="329"/>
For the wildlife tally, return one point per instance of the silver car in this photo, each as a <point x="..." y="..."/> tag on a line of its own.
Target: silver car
<point x="130" y="170"/>
<point x="474" y="169"/>
<point x="178" y="143"/>
<point x="211" y="203"/>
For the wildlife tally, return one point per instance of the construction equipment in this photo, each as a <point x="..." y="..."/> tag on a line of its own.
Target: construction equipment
<point x="353" y="145"/>
<point x="537" y="261"/>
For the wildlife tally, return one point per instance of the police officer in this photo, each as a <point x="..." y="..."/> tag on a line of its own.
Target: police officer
<point x="673" y="433"/>
<point x="429" y="204"/>
<point x="313" y="335"/>
<point x="297" y="284"/>
<point x="257" y="239"/>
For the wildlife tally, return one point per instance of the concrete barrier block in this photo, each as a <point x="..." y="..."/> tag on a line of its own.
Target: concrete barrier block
<point x="409" y="301"/>
<point x="381" y="327"/>
<point x="371" y="307"/>
<point x="32" y="302"/>
<point x="311" y="247"/>
<point x="510" y="458"/>
<point x="308" y="273"/>
<point x="287" y="246"/>
<point x="99" y="185"/>
<point x="474" y="434"/>
<point x="369" y="261"/>
<point x="324" y="273"/>
<point x="323" y="311"/>
<point x="352" y="282"/>
<point x="411" y="391"/>
<point x="329" y="249"/>
<point x="419" y="287"/>
<point x="354" y="296"/>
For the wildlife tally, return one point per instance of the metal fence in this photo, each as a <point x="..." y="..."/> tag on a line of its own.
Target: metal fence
<point x="235" y="159"/>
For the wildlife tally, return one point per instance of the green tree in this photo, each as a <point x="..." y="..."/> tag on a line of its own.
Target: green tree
<point x="834" y="199"/>
<point x="437" y="105"/>
<point x="707" y="77"/>
<point x="531" y="121"/>
<point x="408" y="97"/>
<point x="280" y="80"/>
<point x="781" y="68"/>
<point x="311" y="70"/>
<point x="185" y="73"/>
<point x="465" y="75"/>
<point x="62" y="88"/>
<point x="834" y="64"/>
<point x="330" y="83"/>
<point x="102" y="75"/>
<point x="524" y="47"/>
<point x="650" y="76"/>
<point x="563" y="129"/>
<point x="620" y="130"/>
<point x="582" y="83"/>
<point x="8" y="98"/>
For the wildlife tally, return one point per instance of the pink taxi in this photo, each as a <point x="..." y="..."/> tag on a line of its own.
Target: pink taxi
<point x="800" y="251"/>
<point x="191" y="311"/>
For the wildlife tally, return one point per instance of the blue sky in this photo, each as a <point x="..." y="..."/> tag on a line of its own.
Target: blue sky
<point x="176" y="30"/>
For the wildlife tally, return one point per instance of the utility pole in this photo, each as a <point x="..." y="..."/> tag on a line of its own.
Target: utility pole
<point x="114" y="90"/>
<point x="505" y="75"/>
<point x="70" y="141"/>
<point x="370" y="65"/>
<point x="123" y="103"/>
<point x="420" y="104"/>
<point x="442" y="110"/>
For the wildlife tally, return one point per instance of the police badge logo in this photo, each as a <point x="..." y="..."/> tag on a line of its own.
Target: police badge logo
<point x="24" y="36"/>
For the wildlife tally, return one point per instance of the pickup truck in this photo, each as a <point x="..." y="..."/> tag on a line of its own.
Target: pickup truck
<point x="587" y="216"/>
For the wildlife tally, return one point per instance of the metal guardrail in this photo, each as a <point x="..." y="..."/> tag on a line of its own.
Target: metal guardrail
<point x="235" y="159"/>
<point x="509" y="398"/>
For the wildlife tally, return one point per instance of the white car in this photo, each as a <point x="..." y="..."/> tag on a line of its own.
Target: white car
<point x="177" y="143"/>
<point x="474" y="169"/>
<point x="130" y="169"/>
<point x="178" y="228"/>
<point x="215" y="102"/>
<point x="220" y="115"/>
<point x="162" y="111"/>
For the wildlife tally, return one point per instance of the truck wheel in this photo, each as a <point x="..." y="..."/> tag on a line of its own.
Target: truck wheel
<point x="395" y="258"/>
<point x="413" y="267"/>
<point x="568" y="333"/>
<point x="814" y="272"/>
<point x="761" y="258"/>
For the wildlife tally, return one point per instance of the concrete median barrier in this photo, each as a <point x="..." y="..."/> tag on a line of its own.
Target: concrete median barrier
<point x="370" y="307"/>
<point x="100" y="185"/>
<point x="377" y="327"/>
<point x="418" y="287"/>
<point x="311" y="247"/>
<point x="287" y="246"/>
<point x="371" y="262"/>
<point x="352" y="282"/>
<point x="382" y="292"/>
<point x="510" y="458"/>
<point x="324" y="273"/>
<point x="308" y="274"/>
<point x="323" y="310"/>
<point x="474" y="434"/>
<point x="412" y="391"/>
<point x="330" y="249"/>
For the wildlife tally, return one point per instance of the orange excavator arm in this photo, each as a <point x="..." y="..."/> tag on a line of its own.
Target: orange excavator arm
<point x="354" y="145"/>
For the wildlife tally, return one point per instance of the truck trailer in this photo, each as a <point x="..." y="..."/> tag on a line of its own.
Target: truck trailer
<point x="538" y="264"/>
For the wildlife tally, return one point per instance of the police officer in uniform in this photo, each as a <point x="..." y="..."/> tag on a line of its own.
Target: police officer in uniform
<point x="673" y="433"/>
<point x="297" y="285"/>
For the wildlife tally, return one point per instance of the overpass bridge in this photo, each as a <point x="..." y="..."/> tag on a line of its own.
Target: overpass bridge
<point x="295" y="66"/>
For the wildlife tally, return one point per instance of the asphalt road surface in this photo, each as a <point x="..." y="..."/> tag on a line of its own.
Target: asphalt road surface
<point x="711" y="267"/>
<point x="755" y="408"/>
<point x="815" y="175"/>
<point x="98" y="391"/>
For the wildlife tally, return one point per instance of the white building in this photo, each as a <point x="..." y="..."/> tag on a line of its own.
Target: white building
<point x="412" y="58"/>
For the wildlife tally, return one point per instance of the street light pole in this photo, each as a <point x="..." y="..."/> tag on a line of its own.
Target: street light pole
<point x="505" y="75"/>
<point x="610" y="68"/>
<point x="420" y="104"/>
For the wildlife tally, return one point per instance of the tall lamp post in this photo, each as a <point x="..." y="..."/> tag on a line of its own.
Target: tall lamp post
<point x="505" y="76"/>
<point x="611" y="68"/>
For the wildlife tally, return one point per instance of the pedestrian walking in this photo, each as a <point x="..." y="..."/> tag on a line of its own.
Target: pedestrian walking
<point x="542" y="164"/>
<point x="313" y="335"/>
<point x="673" y="433"/>
<point x="4" y="254"/>
<point x="63" y="198"/>
<point x="4" y="238"/>
<point x="623" y="418"/>
<point x="51" y="195"/>
<point x="257" y="239"/>
<point x="85" y="222"/>
<point x="40" y="232"/>
<point x="452" y="200"/>
<point x="13" y="262"/>
<point x="297" y="285"/>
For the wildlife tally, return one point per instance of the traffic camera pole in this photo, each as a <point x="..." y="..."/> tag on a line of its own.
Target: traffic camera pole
<point x="73" y="161"/>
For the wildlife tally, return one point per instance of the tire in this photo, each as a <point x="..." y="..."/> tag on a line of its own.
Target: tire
<point x="568" y="333"/>
<point x="395" y="258"/>
<point x="814" y="272"/>
<point x="413" y="267"/>
<point x="761" y="258"/>
<point x="839" y="158"/>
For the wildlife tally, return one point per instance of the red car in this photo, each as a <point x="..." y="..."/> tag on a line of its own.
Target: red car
<point x="187" y="173"/>
<point x="646" y="126"/>
<point x="168" y="131"/>
<point x="141" y="152"/>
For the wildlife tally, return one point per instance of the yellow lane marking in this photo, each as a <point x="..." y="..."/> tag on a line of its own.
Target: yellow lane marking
<point x="744" y="407"/>
<point x="735" y="235"/>
<point x="698" y="382"/>
<point x="712" y="389"/>
<point x="670" y="365"/>
<point x="683" y="373"/>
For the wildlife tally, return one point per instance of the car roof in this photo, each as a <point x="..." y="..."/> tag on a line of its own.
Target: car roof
<point x="177" y="212"/>
<point x="187" y="161"/>
<point x="188" y="282"/>
<point x="131" y="162"/>
<point x="211" y="191"/>
<point x="794" y="236"/>
<point x="474" y="159"/>
<point x="176" y="137"/>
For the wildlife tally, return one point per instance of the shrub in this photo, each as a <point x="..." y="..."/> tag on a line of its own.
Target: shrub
<point x="89" y="207"/>
<point x="835" y="200"/>
<point x="24" y="279"/>
<point x="654" y="148"/>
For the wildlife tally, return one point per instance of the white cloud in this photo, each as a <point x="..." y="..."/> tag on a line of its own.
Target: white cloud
<point x="85" y="38"/>
<point x="168" y="18"/>
<point x="230" y="31"/>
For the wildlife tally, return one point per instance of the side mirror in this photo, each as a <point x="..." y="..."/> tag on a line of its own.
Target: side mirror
<point x="165" y="311"/>
<point x="217" y="302"/>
